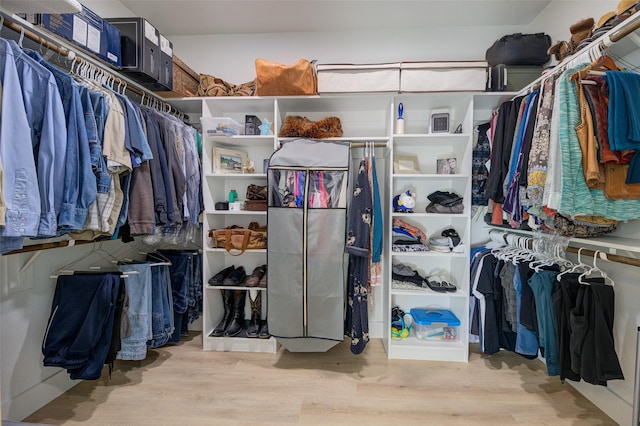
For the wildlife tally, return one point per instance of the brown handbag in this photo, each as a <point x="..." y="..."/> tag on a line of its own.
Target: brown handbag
<point x="615" y="186"/>
<point x="240" y="239"/>
<point x="274" y="79"/>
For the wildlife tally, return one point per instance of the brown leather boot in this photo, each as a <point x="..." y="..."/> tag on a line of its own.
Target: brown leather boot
<point x="227" y="301"/>
<point x="237" y="320"/>
<point x="255" y="299"/>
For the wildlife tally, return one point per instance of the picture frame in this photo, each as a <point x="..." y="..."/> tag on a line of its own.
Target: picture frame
<point x="228" y="161"/>
<point x="447" y="166"/>
<point x="405" y="164"/>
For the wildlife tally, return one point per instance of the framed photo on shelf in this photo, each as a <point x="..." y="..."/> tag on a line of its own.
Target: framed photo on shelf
<point x="447" y="166"/>
<point x="405" y="164"/>
<point x="228" y="160"/>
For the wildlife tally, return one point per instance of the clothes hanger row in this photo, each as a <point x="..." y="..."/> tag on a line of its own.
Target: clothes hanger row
<point x="104" y="257"/>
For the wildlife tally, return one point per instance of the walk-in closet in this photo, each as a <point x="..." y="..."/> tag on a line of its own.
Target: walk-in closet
<point x="320" y="212"/>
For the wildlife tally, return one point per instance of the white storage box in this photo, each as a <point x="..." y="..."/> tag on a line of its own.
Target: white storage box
<point x="443" y="76"/>
<point x="340" y="78"/>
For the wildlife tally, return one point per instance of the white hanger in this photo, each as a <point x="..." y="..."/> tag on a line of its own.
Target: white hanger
<point x="581" y="278"/>
<point x="578" y="267"/>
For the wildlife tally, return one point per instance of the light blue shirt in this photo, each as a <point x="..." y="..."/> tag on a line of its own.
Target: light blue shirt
<point x="45" y="114"/>
<point x="20" y="189"/>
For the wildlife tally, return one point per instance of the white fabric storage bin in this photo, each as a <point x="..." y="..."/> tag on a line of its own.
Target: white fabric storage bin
<point x="462" y="76"/>
<point x="340" y="78"/>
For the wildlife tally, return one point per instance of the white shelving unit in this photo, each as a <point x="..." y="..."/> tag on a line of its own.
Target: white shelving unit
<point x="216" y="187"/>
<point x="364" y="117"/>
<point x="453" y="267"/>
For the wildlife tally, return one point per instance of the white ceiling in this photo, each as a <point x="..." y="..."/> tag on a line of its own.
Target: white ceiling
<point x="190" y="17"/>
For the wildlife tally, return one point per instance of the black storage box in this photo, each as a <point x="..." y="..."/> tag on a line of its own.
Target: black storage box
<point x="252" y="125"/>
<point x="165" y="80"/>
<point x="512" y="78"/>
<point x="140" y="43"/>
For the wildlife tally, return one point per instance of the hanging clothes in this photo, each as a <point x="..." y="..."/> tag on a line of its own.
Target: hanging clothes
<point x="358" y="231"/>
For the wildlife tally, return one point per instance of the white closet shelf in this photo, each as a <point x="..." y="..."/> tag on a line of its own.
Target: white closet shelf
<point x="239" y="344"/>
<point x="241" y="140"/>
<point x="408" y="136"/>
<point x="234" y="287"/>
<point x="347" y="139"/>
<point x="241" y="212"/>
<point x="426" y="254"/>
<point x="409" y="215"/>
<point x="413" y="348"/>
<point x="236" y="175"/>
<point x="429" y="176"/>
<point x="421" y="292"/>
<point x="224" y="251"/>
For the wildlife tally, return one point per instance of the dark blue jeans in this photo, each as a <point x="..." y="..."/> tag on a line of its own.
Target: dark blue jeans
<point x="79" y="328"/>
<point x="161" y="306"/>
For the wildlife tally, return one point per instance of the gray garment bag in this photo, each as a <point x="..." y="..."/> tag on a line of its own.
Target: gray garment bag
<point x="306" y="221"/>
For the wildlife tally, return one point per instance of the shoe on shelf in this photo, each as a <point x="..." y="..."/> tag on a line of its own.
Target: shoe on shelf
<point x="264" y="330"/>
<point x="235" y="278"/>
<point x="449" y="287"/>
<point x="253" y="280"/>
<point x="217" y="279"/>
<point x="263" y="280"/>
<point x="227" y="302"/>
<point x="436" y="284"/>
<point x="255" y="301"/>
<point x="237" y="319"/>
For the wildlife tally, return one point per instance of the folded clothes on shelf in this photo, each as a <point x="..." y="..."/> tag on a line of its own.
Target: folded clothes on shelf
<point x="400" y="227"/>
<point x="448" y="241"/>
<point x="444" y="202"/>
<point x="404" y="245"/>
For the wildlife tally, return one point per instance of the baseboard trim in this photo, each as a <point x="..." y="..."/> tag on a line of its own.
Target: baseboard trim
<point x="20" y="406"/>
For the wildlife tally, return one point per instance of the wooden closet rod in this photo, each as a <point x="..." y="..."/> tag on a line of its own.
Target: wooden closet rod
<point x="606" y="256"/>
<point x="9" y="22"/>
<point x="572" y="249"/>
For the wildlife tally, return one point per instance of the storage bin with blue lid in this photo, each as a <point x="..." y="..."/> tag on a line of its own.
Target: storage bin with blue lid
<point x="435" y="324"/>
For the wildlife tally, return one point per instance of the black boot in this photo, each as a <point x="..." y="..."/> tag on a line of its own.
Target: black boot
<point x="227" y="301"/>
<point x="256" y="308"/>
<point x="237" y="320"/>
<point x="264" y="330"/>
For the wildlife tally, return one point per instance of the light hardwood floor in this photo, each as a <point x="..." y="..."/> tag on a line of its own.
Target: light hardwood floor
<point x="183" y="385"/>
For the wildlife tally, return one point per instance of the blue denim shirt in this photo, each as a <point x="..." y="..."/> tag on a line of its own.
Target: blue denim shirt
<point x="21" y="191"/>
<point x="80" y="188"/>
<point x="48" y="135"/>
<point x="100" y="111"/>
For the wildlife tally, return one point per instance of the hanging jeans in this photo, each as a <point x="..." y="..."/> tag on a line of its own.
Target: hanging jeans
<point x="181" y="271"/>
<point x="79" y="329"/>
<point x="161" y="306"/>
<point x="134" y="347"/>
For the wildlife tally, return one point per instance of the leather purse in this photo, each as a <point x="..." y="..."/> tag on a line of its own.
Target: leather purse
<point x="256" y="192"/>
<point x="275" y="79"/>
<point x="236" y="239"/>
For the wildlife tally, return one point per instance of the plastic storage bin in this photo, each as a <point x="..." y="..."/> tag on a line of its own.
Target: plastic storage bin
<point x="221" y="126"/>
<point x="435" y="324"/>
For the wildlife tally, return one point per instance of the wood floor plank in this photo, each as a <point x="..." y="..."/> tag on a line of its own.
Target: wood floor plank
<point x="178" y="385"/>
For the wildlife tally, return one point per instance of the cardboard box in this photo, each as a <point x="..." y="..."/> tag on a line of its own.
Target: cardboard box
<point x="185" y="81"/>
<point x="89" y="31"/>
